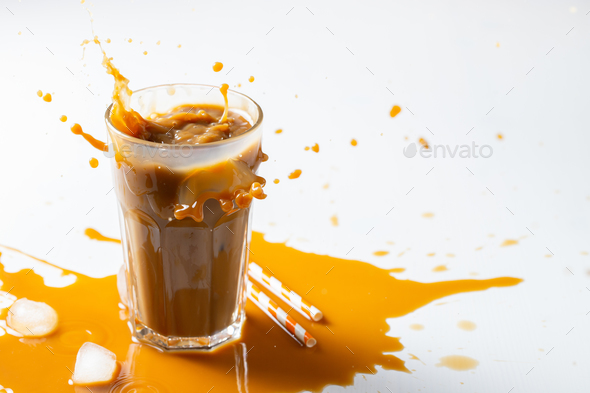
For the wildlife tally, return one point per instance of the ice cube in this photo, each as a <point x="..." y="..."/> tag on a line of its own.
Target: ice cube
<point x="32" y="319"/>
<point x="94" y="365"/>
<point x="122" y="285"/>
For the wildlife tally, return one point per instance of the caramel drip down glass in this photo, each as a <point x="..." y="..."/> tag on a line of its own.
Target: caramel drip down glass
<point x="185" y="278"/>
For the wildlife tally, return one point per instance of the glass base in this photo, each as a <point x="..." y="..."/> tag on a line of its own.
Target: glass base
<point x="171" y="343"/>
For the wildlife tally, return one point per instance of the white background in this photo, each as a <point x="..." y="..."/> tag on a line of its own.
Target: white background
<point x="327" y="72"/>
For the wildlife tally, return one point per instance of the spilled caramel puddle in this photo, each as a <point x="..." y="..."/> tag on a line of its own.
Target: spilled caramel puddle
<point x="264" y="360"/>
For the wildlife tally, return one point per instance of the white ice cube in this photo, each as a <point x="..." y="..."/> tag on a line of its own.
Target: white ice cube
<point x="122" y="285"/>
<point x="32" y="319"/>
<point x="94" y="365"/>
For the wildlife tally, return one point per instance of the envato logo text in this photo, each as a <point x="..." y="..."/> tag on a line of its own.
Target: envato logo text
<point x="460" y="151"/>
<point x="141" y="151"/>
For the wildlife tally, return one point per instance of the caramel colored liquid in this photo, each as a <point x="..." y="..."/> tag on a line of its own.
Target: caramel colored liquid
<point x="395" y="111"/>
<point x="424" y="143"/>
<point x="458" y="363"/>
<point x="186" y="234"/>
<point x="77" y="129"/>
<point x="186" y="227"/>
<point x="95" y="235"/>
<point x="295" y="174"/>
<point x="262" y="360"/>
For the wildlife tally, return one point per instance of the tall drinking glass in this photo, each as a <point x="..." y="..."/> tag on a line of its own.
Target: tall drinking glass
<point x="185" y="279"/>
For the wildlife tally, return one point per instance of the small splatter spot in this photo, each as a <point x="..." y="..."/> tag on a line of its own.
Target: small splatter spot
<point x="416" y="326"/>
<point x="431" y="254"/>
<point x="354" y="142"/>
<point x="466" y="325"/>
<point x="46" y="97"/>
<point x="395" y="111"/>
<point x="316" y="148"/>
<point x="19" y="33"/>
<point x="478" y="248"/>
<point x="497" y="44"/>
<point x="440" y="268"/>
<point x="295" y="174"/>
<point x="306" y="148"/>
<point x="158" y="43"/>
<point x="93" y="162"/>
<point x="251" y="79"/>
<point x="326" y="186"/>
<point x="424" y="143"/>
<point x="130" y="40"/>
<point x="108" y="40"/>
<point x="279" y="131"/>
<point x="428" y="215"/>
<point x="276" y="181"/>
<point x="145" y="52"/>
<point x="217" y="66"/>
<point x="450" y="255"/>
<point x="397" y="270"/>
<point x="63" y="119"/>
<point x="509" y="242"/>
<point x="500" y="136"/>
<point x="458" y="363"/>
<point x="179" y="46"/>
<point x="334" y="220"/>
<point x="380" y="253"/>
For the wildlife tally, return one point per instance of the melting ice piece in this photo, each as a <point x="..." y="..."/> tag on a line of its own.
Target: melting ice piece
<point x="94" y="365"/>
<point x="32" y="319"/>
<point x="122" y="285"/>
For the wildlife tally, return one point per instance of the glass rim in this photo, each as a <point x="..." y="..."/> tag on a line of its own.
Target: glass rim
<point x="179" y="146"/>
